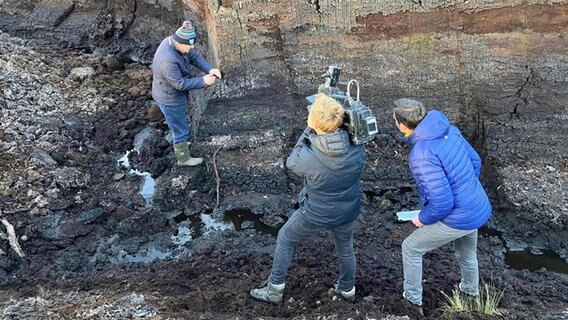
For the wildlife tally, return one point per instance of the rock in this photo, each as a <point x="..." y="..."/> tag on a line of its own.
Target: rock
<point x="82" y="73"/>
<point x="117" y="176"/>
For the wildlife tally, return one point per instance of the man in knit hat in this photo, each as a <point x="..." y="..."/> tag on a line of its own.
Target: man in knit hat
<point x="172" y="81"/>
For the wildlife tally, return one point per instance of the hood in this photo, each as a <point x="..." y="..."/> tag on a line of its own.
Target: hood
<point x="332" y="149"/>
<point x="435" y="125"/>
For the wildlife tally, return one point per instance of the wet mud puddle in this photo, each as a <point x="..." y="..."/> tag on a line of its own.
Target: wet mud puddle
<point x="147" y="187"/>
<point x="521" y="258"/>
<point x="192" y="227"/>
<point x="189" y="229"/>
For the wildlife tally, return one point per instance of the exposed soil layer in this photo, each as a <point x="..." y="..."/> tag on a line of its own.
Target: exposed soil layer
<point x="536" y="18"/>
<point x="96" y="248"/>
<point x="79" y="244"/>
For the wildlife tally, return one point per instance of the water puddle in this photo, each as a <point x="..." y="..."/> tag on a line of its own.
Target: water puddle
<point x="519" y="257"/>
<point x="140" y="137"/>
<point x="151" y="255"/>
<point x="148" y="184"/>
<point x="533" y="261"/>
<point x="193" y="227"/>
<point x="245" y="219"/>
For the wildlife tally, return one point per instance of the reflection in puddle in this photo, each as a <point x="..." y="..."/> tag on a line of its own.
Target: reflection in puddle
<point x="245" y="219"/>
<point x="193" y="227"/>
<point x="531" y="261"/>
<point x="148" y="184"/>
<point x="151" y="255"/>
<point x="184" y="234"/>
<point x="525" y="259"/>
<point x="210" y="223"/>
<point x="140" y="137"/>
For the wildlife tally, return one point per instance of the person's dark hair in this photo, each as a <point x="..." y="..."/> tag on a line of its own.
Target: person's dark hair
<point x="409" y="112"/>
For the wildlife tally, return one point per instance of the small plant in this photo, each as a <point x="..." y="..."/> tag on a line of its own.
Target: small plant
<point x="486" y="302"/>
<point x="2" y="235"/>
<point x="456" y="302"/>
<point x="41" y="292"/>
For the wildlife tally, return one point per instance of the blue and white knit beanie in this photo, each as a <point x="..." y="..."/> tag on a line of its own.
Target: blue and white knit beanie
<point x="185" y="34"/>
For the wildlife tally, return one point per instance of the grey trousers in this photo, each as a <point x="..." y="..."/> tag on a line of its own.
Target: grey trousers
<point x="296" y="230"/>
<point x="428" y="238"/>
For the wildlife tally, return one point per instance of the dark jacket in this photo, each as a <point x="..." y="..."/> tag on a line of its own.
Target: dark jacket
<point x="446" y="169"/>
<point x="331" y="167"/>
<point x="171" y="78"/>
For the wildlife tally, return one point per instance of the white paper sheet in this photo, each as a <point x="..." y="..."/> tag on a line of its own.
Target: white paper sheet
<point x="407" y="215"/>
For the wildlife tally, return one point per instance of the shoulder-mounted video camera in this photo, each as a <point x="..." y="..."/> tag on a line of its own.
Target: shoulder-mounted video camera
<point x="359" y="120"/>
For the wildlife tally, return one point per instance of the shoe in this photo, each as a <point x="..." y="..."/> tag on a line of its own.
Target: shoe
<point x="182" y="154"/>
<point x="417" y="307"/>
<point x="271" y="293"/>
<point x="348" y="296"/>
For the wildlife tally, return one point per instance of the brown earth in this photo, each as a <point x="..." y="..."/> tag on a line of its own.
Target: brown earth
<point x="536" y="18"/>
<point x="82" y="222"/>
<point x="56" y="282"/>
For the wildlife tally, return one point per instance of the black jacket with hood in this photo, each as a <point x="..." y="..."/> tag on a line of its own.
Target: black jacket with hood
<point x="331" y="167"/>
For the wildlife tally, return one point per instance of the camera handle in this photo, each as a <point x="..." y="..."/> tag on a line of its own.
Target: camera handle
<point x="349" y="88"/>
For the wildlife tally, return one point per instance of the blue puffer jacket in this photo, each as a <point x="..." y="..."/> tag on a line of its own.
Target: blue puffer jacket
<point x="331" y="167"/>
<point x="171" y="78"/>
<point x="446" y="170"/>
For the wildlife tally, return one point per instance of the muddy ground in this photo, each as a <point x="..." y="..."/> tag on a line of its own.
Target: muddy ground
<point x="97" y="249"/>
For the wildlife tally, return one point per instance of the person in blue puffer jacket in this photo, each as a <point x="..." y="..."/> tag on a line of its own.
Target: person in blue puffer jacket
<point x="330" y="199"/>
<point x="172" y="80"/>
<point x="446" y="170"/>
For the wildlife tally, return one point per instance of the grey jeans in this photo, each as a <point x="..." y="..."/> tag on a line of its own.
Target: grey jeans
<point x="428" y="238"/>
<point x="298" y="228"/>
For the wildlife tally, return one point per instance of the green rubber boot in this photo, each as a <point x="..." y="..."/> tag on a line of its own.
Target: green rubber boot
<point x="183" y="157"/>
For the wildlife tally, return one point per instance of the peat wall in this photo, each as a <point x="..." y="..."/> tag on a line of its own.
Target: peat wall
<point x="498" y="68"/>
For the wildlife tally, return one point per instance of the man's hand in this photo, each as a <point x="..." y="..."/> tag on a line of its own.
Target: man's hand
<point x="215" y="72"/>
<point x="417" y="222"/>
<point x="209" y="79"/>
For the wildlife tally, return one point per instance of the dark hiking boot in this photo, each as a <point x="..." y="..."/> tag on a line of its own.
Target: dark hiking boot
<point x="271" y="293"/>
<point x="416" y="307"/>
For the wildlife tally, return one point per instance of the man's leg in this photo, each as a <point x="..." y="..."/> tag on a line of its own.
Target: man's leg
<point x="466" y="252"/>
<point x="176" y="118"/>
<point x="421" y="241"/>
<point x="294" y="231"/>
<point x="343" y="236"/>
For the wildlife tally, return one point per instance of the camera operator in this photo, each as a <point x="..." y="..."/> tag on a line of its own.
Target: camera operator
<point x="330" y="199"/>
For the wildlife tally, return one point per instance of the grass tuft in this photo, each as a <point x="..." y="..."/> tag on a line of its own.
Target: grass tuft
<point x="487" y="302"/>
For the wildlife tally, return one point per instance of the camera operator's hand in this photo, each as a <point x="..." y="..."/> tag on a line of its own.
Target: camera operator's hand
<point x="209" y="79"/>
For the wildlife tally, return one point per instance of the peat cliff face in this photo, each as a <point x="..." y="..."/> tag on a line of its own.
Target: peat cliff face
<point x="89" y="181"/>
<point x="498" y="68"/>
